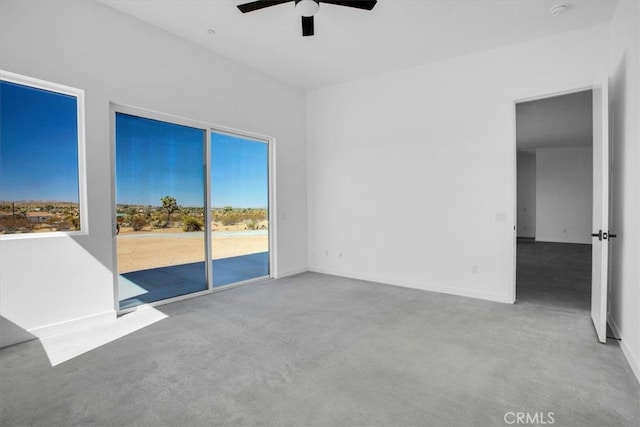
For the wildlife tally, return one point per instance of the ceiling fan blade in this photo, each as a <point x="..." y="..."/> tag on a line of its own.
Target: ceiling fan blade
<point x="307" y="25"/>
<point x="359" y="4"/>
<point x="260" y="4"/>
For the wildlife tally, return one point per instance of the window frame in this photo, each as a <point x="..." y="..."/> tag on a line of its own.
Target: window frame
<point x="78" y="94"/>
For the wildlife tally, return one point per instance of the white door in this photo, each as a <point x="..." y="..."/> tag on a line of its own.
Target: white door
<point x="600" y="228"/>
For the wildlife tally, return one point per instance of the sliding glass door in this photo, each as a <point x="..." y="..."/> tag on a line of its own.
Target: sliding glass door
<point x="192" y="208"/>
<point x="160" y="207"/>
<point x="240" y="208"/>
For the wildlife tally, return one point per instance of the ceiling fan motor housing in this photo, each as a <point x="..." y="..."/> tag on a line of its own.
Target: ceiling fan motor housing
<point x="307" y="7"/>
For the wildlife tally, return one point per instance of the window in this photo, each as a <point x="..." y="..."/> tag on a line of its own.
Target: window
<point x="41" y="156"/>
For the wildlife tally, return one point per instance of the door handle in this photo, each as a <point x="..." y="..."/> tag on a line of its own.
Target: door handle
<point x="603" y="235"/>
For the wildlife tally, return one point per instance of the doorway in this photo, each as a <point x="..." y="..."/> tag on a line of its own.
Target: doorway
<point x="192" y="208"/>
<point x="554" y="162"/>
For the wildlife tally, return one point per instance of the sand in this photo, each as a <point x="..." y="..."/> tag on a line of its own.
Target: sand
<point x="144" y="250"/>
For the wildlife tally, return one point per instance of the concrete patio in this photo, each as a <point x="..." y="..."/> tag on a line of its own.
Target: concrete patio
<point x="145" y="286"/>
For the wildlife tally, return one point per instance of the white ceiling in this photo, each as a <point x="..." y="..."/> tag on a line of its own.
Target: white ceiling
<point x="351" y="43"/>
<point x="561" y="121"/>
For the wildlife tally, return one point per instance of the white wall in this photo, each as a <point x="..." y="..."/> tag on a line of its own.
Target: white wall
<point x="113" y="57"/>
<point x="564" y="194"/>
<point x="526" y="216"/>
<point x="624" y="296"/>
<point x="411" y="174"/>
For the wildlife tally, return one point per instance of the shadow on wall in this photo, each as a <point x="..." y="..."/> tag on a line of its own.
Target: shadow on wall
<point x="618" y="100"/>
<point x="81" y="332"/>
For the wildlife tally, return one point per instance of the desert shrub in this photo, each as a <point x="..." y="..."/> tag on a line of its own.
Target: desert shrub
<point x="64" y="226"/>
<point x="138" y="222"/>
<point x="258" y="214"/>
<point x="15" y="225"/>
<point x="192" y="224"/>
<point x="231" y="218"/>
<point x="72" y="221"/>
<point x="160" y="224"/>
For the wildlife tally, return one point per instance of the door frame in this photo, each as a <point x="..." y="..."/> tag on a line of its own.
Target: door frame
<point x="271" y="209"/>
<point x="208" y="128"/>
<point x="518" y="100"/>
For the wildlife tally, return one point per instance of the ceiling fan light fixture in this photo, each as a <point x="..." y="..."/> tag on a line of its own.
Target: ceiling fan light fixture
<point x="307" y="7"/>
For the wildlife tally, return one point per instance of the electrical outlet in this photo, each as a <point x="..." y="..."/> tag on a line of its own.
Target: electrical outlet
<point x="326" y="252"/>
<point x="474" y="269"/>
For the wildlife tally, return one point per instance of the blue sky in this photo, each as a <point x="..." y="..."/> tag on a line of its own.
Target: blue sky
<point x="38" y="145"/>
<point x="239" y="172"/>
<point x="39" y="160"/>
<point x="156" y="159"/>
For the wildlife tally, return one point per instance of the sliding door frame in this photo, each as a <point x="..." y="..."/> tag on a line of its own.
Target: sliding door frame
<point x="208" y="128"/>
<point x="271" y="209"/>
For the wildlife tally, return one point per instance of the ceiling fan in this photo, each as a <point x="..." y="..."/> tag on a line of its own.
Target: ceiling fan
<point x="307" y="8"/>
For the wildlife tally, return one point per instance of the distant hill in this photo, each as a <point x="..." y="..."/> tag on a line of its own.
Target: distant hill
<point x="37" y="203"/>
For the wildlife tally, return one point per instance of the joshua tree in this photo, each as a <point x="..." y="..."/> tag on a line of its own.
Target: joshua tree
<point x="170" y="205"/>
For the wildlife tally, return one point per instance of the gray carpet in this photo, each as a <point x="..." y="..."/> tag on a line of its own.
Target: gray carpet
<point x="326" y="351"/>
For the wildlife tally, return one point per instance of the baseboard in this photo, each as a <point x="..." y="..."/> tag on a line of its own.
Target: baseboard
<point x="547" y="239"/>
<point x="421" y="286"/>
<point x="7" y="339"/>
<point x="293" y="272"/>
<point x="631" y="358"/>
<point x="72" y="325"/>
<point x="13" y="334"/>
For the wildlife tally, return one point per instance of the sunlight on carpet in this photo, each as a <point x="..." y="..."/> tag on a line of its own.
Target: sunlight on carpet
<point x="63" y="347"/>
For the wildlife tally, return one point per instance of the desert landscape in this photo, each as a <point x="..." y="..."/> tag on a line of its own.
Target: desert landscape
<point x="151" y="237"/>
<point x="172" y="246"/>
<point x="18" y="217"/>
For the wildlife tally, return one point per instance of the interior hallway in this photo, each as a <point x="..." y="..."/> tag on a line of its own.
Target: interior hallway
<point x="322" y="350"/>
